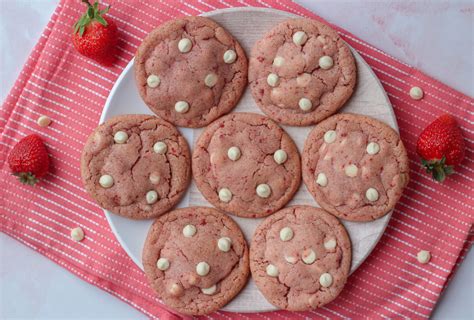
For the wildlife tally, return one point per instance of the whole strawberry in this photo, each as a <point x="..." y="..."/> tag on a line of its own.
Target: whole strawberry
<point x="95" y="36"/>
<point x="29" y="159"/>
<point x="441" y="147"/>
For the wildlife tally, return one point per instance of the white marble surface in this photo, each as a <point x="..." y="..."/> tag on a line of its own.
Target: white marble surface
<point x="435" y="36"/>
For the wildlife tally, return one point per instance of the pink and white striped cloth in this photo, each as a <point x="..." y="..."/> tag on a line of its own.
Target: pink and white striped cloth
<point x="58" y="82"/>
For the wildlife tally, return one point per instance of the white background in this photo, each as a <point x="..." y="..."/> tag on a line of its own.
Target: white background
<point x="436" y="37"/>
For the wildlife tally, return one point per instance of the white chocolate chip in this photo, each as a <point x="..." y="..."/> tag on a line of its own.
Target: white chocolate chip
<point x="286" y="234"/>
<point x="330" y="136"/>
<point x="213" y="157"/>
<point x="423" y="256"/>
<point x="106" y="181"/>
<point x="322" y="180"/>
<point x="202" y="268"/>
<point x="230" y="56"/>
<point x="313" y="300"/>
<point x="351" y="170"/>
<point x="185" y="45"/>
<point x="192" y="279"/>
<point x="151" y="197"/>
<point x="155" y="178"/>
<point x="189" y="231"/>
<point x="163" y="264"/>
<point x="326" y="62"/>
<point x="416" y="93"/>
<point x="234" y="153"/>
<point x="325" y="280"/>
<point x="280" y="156"/>
<point x="278" y="61"/>
<point x="330" y="244"/>
<point x="225" y="195"/>
<point x="272" y="270"/>
<point x="160" y="147"/>
<point x="176" y="289"/>
<point x="373" y="148"/>
<point x="321" y="39"/>
<point x="120" y="137"/>
<point x="77" y="234"/>
<point x="43" y="121"/>
<point x="372" y="194"/>
<point x="305" y="104"/>
<point x="299" y="38"/>
<point x="224" y="244"/>
<point x="209" y="291"/>
<point x="153" y="81"/>
<point x="291" y="259"/>
<point x="263" y="190"/>
<point x="303" y="80"/>
<point x="272" y="80"/>
<point x="308" y="256"/>
<point x="181" y="107"/>
<point x="210" y="80"/>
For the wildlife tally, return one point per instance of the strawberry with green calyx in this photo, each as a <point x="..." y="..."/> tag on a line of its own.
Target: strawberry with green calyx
<point x="29" y="159"/>
<point x="441" y="147"/>
<point x="95" y="35"/>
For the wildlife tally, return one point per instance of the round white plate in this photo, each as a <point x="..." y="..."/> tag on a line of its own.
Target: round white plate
<point x="248" y="25"/>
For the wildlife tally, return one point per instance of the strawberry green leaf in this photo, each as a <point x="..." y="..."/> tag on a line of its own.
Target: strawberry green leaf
<point x="81" y="30"/>
<point x="448" y="170"/>
<point x="101" y="21"/>
<point x="105" y="10"/>
<point x="27" y="178"/>
<point x="90" y="12"/>
<point x="96" y="5"/>
<point x="76" y="27"/>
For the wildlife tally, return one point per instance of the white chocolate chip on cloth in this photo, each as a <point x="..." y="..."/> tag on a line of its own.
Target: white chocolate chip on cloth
<point x="43" y="121"/>
<point x="416" y="93"/>
<point x="423" y="256"/>
<point x="278" y="267"/>
<point x="364" y="163"/>
<point x="301" y="72"/>
<point x="205" y="60"/>
<point x="254" y="179"/>
<point x="77" y="234"/>
<point x="136" y="166"/>
<point x="204" y="272"/>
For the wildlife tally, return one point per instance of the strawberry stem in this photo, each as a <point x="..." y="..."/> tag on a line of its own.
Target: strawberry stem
<point x="437" y="168"/>
<point x="27" y="178"/>
<point x="92" y="14"/>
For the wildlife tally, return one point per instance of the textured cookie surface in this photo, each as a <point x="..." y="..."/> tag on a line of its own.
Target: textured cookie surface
<point x="136" y="166"/>
<point x="301" y="72"/>
<point x="190" y="71"/>
<point x="247" y="165"/>
<point x="300" y="258"/>
<point x="179" y="246"/>
<point x="355" y="166"/>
